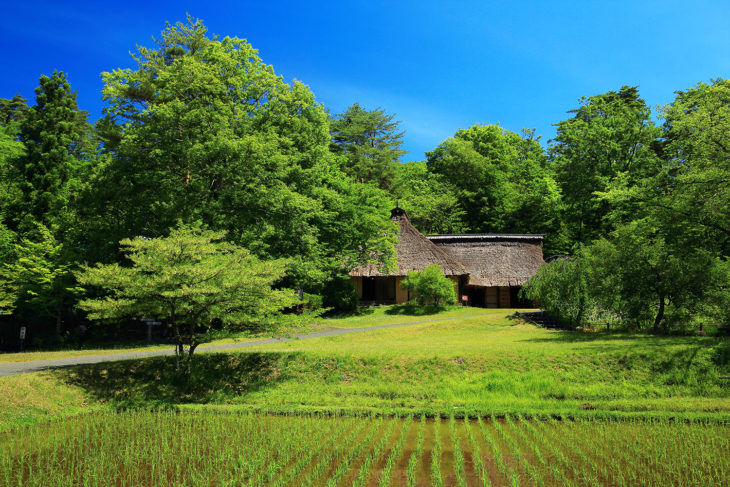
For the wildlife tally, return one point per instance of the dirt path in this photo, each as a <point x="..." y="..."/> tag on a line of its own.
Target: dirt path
<point x="37" y="365"/>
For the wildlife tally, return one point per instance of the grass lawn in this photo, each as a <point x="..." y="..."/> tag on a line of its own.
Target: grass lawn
<point x="475" y="365"/>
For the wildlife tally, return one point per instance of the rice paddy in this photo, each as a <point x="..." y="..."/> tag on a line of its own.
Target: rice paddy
<point x="516" y="405"/>
<point x="172" y="448"/>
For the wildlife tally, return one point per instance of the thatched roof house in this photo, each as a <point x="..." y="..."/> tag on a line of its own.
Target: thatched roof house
<point x="487" y="269"/>
<point x="413" y="252"/>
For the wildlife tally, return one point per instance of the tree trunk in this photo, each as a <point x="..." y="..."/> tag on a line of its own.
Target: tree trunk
<point x="660" y="314"/>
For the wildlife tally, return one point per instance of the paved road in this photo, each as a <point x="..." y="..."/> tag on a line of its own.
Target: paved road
<point x="36" y="365"/>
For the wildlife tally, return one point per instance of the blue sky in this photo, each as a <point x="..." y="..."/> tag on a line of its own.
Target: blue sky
<point x="439" y="66"/>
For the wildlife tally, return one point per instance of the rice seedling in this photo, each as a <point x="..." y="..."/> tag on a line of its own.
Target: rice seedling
<point x="416" y="455"/>
<point x="146" y="448"/>
<point x="394" y="453"/>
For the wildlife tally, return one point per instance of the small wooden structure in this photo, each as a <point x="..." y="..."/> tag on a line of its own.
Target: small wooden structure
<point x="487" y="268"/>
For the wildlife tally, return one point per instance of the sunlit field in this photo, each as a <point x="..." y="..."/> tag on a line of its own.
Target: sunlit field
<point x="160" y="449"/>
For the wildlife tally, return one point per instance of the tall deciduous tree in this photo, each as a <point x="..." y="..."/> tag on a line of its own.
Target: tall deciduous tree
<point x="501" y="178"/>
<point x="40" y="279"/>
<point x="697" y="150"/>
<point x="370" y="142"/>
<point x="609" y="135"/>
<point x="193" y="282"/>
<point x="203" y="130"/>
<point x="429" y="200"/>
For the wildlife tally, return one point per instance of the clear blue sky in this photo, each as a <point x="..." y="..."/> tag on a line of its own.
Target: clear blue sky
<point x="439" y="65"/>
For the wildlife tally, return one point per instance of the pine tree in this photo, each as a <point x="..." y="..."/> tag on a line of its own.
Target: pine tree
<point x="51" y="132"/>
<point x="370" y="143"/>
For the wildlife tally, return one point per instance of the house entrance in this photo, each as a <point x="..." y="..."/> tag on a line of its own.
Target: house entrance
<point x="369" y="291"/>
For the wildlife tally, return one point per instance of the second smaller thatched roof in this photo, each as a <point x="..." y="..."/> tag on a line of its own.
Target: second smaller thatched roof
<point x="495" y="259"/>
<point x="414" y="252"/>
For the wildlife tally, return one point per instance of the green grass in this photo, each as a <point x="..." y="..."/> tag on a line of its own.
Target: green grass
<point x="390" y="315"/>
<point x="474" y="365"/>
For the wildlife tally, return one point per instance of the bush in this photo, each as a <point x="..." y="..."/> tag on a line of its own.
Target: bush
<point x="430" y="286"/>
<point x="339" y="294"/>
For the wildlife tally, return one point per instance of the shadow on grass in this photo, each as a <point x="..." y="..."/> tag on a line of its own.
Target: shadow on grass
<point x="215" y="378"/>
<point x="359" y="311"/>
<point x="410" y="309"/>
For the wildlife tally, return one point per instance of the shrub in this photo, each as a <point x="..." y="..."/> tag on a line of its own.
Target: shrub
<point x="430" y="286"/>
<point x="339" y="294"/>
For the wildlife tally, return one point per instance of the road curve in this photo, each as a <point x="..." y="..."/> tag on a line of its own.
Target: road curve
<point x="16" y="368"/>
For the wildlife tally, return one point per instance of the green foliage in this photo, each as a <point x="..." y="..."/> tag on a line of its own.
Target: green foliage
<point x="203" y="130"/>
<point x="636" y="274"/>
<point x="698" y="155"/>
<point x="430" y="286"/>
<point x="430" y="201"/>
<point x="193" y="282"/>
<point x="501" y="178"/>
<point x="609" y="135"/>
<point x="339" y="294"/>
<point x="40" y="280"/>
<point x="559" y="287"/>
<point x="369" y="142"/>
<point x="52" y="134"/>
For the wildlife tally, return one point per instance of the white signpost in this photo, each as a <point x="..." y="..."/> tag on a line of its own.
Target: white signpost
<point x="22" y="337"/>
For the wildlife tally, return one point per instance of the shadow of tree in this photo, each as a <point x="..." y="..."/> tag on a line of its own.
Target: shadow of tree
<point x="410" y="309"/>
<point x="215" y="378"/>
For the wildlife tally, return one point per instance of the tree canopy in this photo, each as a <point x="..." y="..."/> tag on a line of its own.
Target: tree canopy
<point x="203" y="130"/>
<point x="193" y="282"/>
<point x="369" y="142"/>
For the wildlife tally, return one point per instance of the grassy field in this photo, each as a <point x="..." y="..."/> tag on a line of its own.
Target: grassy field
<point x="630" y="394"/>
<point x="161" y="449"/>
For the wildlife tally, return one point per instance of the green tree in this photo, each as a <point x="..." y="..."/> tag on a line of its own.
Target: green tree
<point x="430" y="286"/>
<point x="203" y="130"/>
<point x="52" y="133"/>
<point x="193" y="282"/>
<point x="609" y="135"/>
<point x="40" y="279"/>
<point x="369" y="142"/>
<point x="13" y="110"/>
<point x="697" y="181"/>
<point x="502" y="181"/>
<point x="639" y="275"/>
<point x="429" y="200"/>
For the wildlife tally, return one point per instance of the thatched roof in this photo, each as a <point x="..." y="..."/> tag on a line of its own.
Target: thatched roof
<point x="495" y="259"/>
<point x="414" y="252"/>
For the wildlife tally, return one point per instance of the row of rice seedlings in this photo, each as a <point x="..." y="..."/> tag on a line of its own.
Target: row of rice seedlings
<point x="394" y="454"/>
<point x="517" y="452"/>
<point x="436" y="479"/>
<point x="660" y="451"/>
<point x="328" y="456"/>
<point x="416" y="455"/>
<point x="564" y="452"/>
<point x="344" y="466"/>
<point x="328" y="435"/>
<point x="477" y="455"/>
<point x="277" y="455"/>
<point x="374" y="456"/>
<point x="499" y="459"/>
<point x="555" y="456"/>
<point x="583" y="468"/>
<point x="517" y="429"/>
<point x="458" y="454"/>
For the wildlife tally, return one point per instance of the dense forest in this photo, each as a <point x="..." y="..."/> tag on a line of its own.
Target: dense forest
<point x="635" y="213"/>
